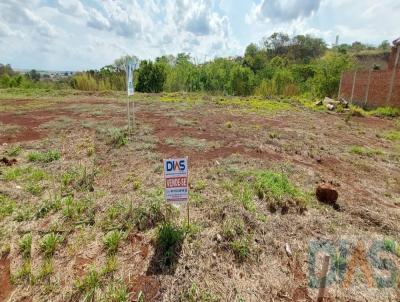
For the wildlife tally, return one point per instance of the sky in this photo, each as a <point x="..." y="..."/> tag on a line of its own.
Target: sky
<point x="85" y="34"/>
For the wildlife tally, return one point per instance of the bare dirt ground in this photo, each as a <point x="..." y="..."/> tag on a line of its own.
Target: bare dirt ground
<point x="222" y="139"/>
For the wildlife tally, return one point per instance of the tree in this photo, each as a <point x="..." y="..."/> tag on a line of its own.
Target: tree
<point x="328" y="71"/>
<point x="385" y="45"/>
<point x="151" y="77"/>
<point x="33" y="75"/>
<point x="241" y="80"/>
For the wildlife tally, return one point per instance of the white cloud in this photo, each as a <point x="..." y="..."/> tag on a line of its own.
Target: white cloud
<point x="72" y="7"/>
<point x="284" y="10"/>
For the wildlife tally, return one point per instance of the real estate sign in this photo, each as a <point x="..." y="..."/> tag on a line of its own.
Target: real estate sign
<point x="130" y="79"/>
<point x="176" y="180"/>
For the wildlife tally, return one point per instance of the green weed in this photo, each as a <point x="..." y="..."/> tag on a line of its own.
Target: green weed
<point x="385" y="112"/>
<point x="25" y="244"/>
<point x="46" y="269"/>
<point x="44" y="157"/>
<point x="233" y="228"/>
<point x="48" y="244"/>
<point x="89" y="284"/>
<point x="241" y="248"/>
<point x="24" y="273"/>
<point x="47" y="206"/>
<point x="168" y="239"/>
<point x="117" y="292"/>
<point x="14" y="150"/>
<point x="110" y="266"/>
<point x="390" y="245"/>
<point x="111" y="241"/>
<point x="117" y="137"/>
<point x="393" y="135"/>
<point x="7" y="206"/>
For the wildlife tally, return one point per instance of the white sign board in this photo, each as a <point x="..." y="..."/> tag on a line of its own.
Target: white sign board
<point x="176" y="180"/>
<point x="130" y="79"/>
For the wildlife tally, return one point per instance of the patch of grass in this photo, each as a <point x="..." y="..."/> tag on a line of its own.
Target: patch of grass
<point x="117" y="137"/>
<point x="256" y="104"/>
<point x="48" y="244"/>
<point x="44" y="157"/>
<point x="46" y="269"/>
<point x="77" y="209"/>
<point x="393" y="135"/>
<point x="278" y="191"/>
<point x="117" y="292"/>
<point x="390" y="245"/>
<point x="24" y="174"/>
<point x="111" y="241"/>
<point x="25" y="244"/>
<point x="241" y="248"/>
<point x="233" y="228"/>
<point x="34" y="188"/>
<point x="150" y="213"/>
<point x="195" y="294"/>
<point x="168" y="239"/>
<point x="79" y="178"/>
<point x="7" y="206"/>
<point x="242" y="192"/>
<point x="385" y="112"/>
<point x="363" y="151"/>
<point x="14" y="150"/>
<point x="53" y="204"/>
<point x="88" y="285"/>
<point x="24" y="272"/>
<point x="110" y="265"/>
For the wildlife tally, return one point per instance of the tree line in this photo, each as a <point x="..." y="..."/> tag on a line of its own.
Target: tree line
<point x="279" y="65"/>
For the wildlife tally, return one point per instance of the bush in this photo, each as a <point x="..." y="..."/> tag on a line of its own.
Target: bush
<point x="151" y="77"/>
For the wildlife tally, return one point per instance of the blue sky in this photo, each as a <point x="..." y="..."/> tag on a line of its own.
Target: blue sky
<point x="84" y="34"/>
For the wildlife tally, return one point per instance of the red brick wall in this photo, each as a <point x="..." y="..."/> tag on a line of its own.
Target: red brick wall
<point x="378" y="88"/>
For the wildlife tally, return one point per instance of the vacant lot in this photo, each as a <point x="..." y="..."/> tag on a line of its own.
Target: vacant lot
<point x="82" y="214"/>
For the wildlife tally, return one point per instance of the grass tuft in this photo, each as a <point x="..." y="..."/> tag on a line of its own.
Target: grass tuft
<point x="111" y="241"/>
<point x="44" y="157"/>
<point x="25" y="244"/>
<point x="168" y="239"/>
<point x="49" y="243"/>
<point x="363" y="151"/>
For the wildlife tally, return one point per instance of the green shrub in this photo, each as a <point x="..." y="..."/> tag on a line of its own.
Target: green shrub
<point x="45" y="157"/>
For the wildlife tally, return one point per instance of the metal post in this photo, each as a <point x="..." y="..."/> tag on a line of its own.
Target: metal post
<point x="389" y="97"/>
<point x="367" y="90"/>
<point x="354" y="84"/>
<point x="322" y="286"/>
<point x="340" y="85"/>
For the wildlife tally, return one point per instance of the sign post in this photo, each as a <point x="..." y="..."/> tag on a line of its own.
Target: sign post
<point x="176" y="182"/>
<point x="130" y="67"/>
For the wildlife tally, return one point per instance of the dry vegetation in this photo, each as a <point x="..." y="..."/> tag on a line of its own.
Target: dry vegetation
<point x="83" y="217"/>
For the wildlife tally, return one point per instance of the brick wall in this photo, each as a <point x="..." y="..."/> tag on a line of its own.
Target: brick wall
<point x="378" y="88"/>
